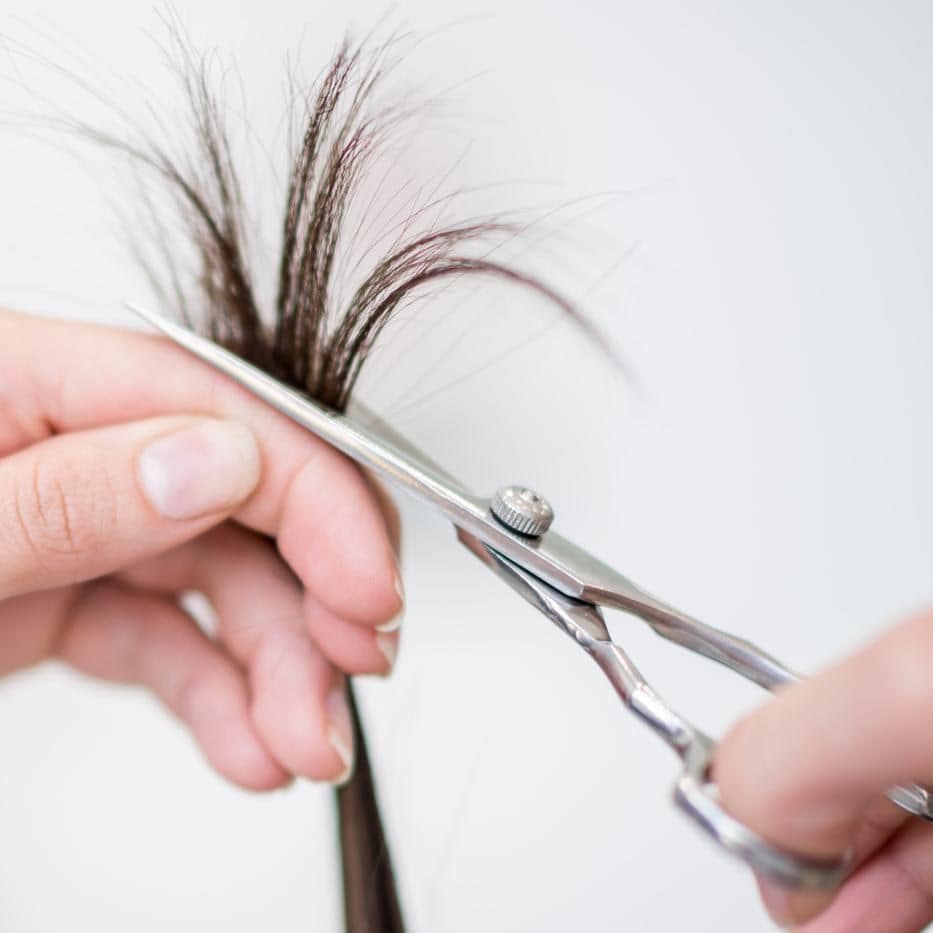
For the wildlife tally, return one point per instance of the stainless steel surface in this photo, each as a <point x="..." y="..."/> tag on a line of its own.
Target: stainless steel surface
<point x="565" y="566"/>
<point x="694" y="792"/>
<point x="913" y="798"/>
<point x="521" y="509"/>
<point x="561" y="563"/>
<point x="568" y="586"/>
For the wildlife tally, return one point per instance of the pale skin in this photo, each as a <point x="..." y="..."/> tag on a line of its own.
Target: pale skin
<point x="809" y="768"/>
<point x="116" y="496"/>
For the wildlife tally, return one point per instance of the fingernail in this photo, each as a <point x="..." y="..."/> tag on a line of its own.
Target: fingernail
<point x="788" y="907"/>
<point x="776" y="899"/>
<point x="340" y="731"/>
<point x="388" y="645"/>
<point x="392" y="625"/>
<point x="205" y="468"/>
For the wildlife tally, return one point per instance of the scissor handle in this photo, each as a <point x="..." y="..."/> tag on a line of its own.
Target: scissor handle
<point x="914" y="799"/>
<point x="696" y="795"/>
<point x="743" y="657"/>
<point x="695" y="792"/>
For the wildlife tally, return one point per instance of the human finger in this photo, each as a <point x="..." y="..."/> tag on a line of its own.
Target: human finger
<point x="803" y="769"/>
<point x="312" y="499"/>
<point x="352" y="647"/>
<point x="892" y="893"/>
<point x="880" y="821"/>
<point x="115" y="633"/>
<point x="297" y="694"/>
<point x="81" y="505"/>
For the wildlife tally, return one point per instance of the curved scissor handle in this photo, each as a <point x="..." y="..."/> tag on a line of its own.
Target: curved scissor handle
<point x="695" y="793"/>
<point x="914" y="799"/>
<point x="743" y="657"/>
<point x="697" y="796"/>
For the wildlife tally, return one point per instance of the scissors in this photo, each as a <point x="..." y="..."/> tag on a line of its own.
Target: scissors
<point x="511" y="535"/>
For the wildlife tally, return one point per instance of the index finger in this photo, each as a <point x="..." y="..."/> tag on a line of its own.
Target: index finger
<point x="64" y="376"/>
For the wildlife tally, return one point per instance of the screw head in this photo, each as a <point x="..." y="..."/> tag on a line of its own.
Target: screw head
<point x="521" y="509"/>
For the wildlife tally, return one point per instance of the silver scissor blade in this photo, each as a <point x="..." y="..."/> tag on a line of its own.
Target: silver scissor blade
<point x="552" y="557"/>
<point x="366" y="447"/>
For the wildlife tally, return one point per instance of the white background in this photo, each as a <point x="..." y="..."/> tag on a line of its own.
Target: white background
<point x="760" y="252"/>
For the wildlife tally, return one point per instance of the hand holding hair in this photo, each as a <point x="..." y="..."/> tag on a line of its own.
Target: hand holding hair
<point x="809" y="769"/>
<point x="129" y="473"/>
<point x="328" y="313"/>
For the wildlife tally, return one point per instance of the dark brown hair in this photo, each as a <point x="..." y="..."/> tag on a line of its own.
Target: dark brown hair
<point x="308" y="339"/>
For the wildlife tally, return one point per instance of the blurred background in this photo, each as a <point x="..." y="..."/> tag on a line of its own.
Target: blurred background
<point x="739" y="195"/>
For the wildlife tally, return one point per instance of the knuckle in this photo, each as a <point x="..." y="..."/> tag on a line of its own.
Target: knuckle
<point x="58" y="513"/>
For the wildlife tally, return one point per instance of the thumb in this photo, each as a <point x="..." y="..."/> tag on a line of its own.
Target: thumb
<point x="85" y="504"/>
<point x="803" y="769"/>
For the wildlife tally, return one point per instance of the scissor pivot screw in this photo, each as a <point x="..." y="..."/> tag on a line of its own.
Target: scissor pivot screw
<point x="521" y="509"/>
